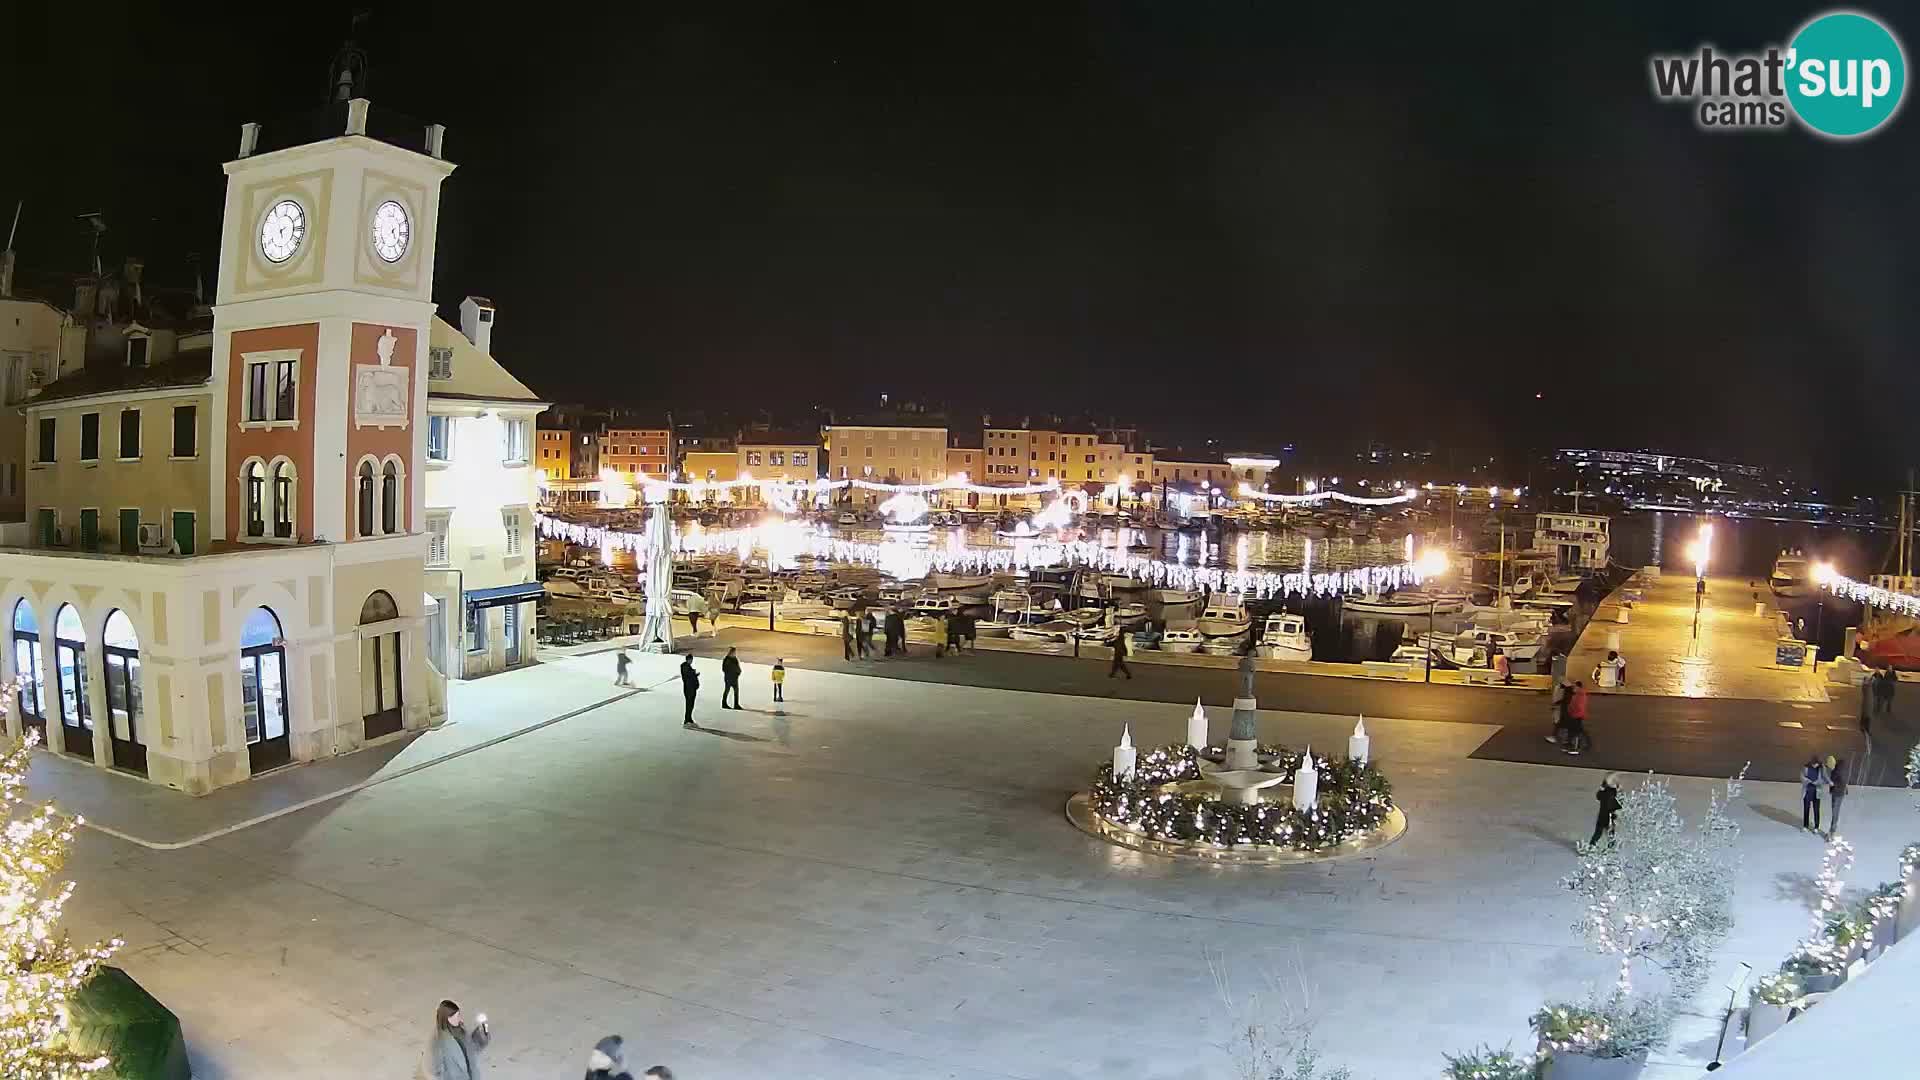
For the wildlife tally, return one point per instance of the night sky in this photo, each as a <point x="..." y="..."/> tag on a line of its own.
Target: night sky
<point x="1255" y="220"/>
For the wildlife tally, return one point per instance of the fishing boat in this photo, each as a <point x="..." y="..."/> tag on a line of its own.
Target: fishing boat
<point x="1055" y="630"/>
<point x="1792" y="575"/>
<point x="1130" y="614"/>
<point x="1224" y="646"/>
<point x="1224" y="617"/>
<point x="932" y="603"/>
<point x="1175" y="597"/>
<point x="1284" y="637"/>
<point x="791" y="606"/>
<point x="959" y="582"/>
<point x="847" y="518"/>
<point x="1099" y="635"/>
<point x="1518" y="647"/>
<point x="1400" y="605"/>
<point x="847" y="597"/>
<point x="1184" y="640"/>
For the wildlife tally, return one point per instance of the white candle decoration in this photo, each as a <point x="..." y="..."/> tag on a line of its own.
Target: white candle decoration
<point x="1124" y="755"/>
<point x="1306" y="783"/>
<point x="1197" y="727"/>
<point x="1358" y="743"/>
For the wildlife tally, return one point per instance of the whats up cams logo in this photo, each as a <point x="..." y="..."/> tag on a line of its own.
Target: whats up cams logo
<point x="1842" y="76"/>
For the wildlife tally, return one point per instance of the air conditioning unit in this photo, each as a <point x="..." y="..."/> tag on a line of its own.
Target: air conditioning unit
<point x="152" y="537"/>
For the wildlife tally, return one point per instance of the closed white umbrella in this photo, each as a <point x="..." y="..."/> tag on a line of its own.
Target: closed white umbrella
<point x="657" y="634"/>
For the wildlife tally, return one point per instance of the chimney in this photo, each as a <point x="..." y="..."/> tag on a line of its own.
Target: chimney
<point x="476" y="321"/>
<point x="131" y="272"/>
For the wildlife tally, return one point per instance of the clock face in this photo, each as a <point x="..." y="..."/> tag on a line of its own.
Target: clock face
<point x="391" y="231"/>
<point x="282" y="230"/>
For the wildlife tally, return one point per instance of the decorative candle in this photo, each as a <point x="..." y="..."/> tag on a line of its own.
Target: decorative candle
<point x="1358" y="742"/>
<point x="1306" y="783"/>
<point x="1197" y="727"/>
<point x="1124" y="755"/>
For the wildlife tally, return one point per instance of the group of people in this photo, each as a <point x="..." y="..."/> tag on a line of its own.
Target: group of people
<point x="1570" y="717"/>
<point x="729" y="681"/>
<point x="857" y="630"/>
<point x="1876" y="697"/>
<point x="1818" y="777"/>
<point x="453" y="1051"/>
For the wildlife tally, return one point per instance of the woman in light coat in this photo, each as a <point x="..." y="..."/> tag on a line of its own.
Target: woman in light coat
<point x="453" y="1051"/>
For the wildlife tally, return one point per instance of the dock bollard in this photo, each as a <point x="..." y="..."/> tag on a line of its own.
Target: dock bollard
<point x="1760" y="608"/>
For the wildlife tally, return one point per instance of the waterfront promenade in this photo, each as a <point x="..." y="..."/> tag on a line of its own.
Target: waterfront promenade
<point x="1734" y="656"/>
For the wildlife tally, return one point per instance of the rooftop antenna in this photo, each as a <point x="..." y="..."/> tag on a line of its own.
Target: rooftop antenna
<point x="97" y="224"/>
<point x="12" y="232"/>
<point x="347" y="77"/>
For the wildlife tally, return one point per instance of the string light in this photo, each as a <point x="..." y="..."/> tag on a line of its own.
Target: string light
<point x="1035" y="554"/>
<point x="40" y="969"/>
<point x="1247" y="492"/>
<point x="1870" y="595"/>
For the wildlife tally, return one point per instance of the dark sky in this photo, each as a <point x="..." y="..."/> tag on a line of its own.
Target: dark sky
<point x="1278" y="223"/>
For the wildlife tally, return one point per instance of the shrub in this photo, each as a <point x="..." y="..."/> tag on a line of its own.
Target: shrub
<point x="1487" y="1063"/>
<point x="1618" y="1027"/>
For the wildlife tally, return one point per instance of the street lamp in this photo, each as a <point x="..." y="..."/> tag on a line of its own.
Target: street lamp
<point x="1823" y="573"/>
<point x="1700" y="550"/>
<point x="1431" y="564"/>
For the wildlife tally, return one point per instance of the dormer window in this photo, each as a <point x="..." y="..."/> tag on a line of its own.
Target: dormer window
<point x="138" y="345"/>
<point x="440" y="361"/>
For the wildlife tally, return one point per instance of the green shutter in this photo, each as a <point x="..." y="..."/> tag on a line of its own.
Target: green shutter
<point x="47" y="527"/>
<point x="183" y="531"/>
<point x="130" y="531"/>
<point x="89" y="530"/>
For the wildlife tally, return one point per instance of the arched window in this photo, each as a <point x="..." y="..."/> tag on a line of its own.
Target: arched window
<point x="366" y="498"/>
<point x="26" y="659"/>
<point x="70" y="669"/>
<point x="255" y="478"/>
<point x="283" y="477"/>
<point x="378" y="608"/>
<point x="390" y="498"/>
<point x="120" y="648"/>
<point x="263" y="691"/>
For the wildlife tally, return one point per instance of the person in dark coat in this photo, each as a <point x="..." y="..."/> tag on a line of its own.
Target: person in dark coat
<point x="1813" y="777"/>
<point x="896" y="633"/>
<point x="689" y="685"/>
<point x="846" y="636"/>
<point x="1609" y="798"/>
<point x="1883" y="696"/>
<point x="865" y="642"/>
<point x="609" y="1060"/>
<point x="730" y="680"/>
<point x="1119" y="665"/>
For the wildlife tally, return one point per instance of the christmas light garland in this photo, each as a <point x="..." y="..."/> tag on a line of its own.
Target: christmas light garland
<point x="1354" y="799"/>
<point x="907" y="562"/>
<point x="1247" y="492"/>
<point x="1871" y="595"/>
<point x="40" y="969"/>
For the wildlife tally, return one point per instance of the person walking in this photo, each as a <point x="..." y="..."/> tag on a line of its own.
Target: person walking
<point x="1609" y="797"/>
<point x="689" y="685"/>
<point x="1813" y="777"/>
<point x="939" y="636"/>
<point x="620" y="662"/>
<point x="1501" y="670"/>
<point x="846" y="635"/>
<point x="608" y="1061"/>
<point x="1559" y="711"/>
<point x="1869" y="691"/>
<point x="730" y="679"/>
<point x="779" y="680"/>
<point x="1576" y="719"/>
<point x="1119" y="665"/>
<point x="866" y="635"/>
<point x="696" y="607"/>
<point x="1836" y="790"/>
<point x="1883" y="698"/>
<point x="453" y="1050"/>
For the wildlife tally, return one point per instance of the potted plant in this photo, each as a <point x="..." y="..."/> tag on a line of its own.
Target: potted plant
<point x="1909" y="918"/>
<point x="1881" y="912"/>
<point x="1772" y="1004"/>
<point x="1609" y="1041"/>
<point x="1487" y="1063"/>
<point x="1816" y="973"/>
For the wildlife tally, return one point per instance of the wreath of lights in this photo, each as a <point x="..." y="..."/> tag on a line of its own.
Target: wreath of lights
<point x="1354" y="799"/>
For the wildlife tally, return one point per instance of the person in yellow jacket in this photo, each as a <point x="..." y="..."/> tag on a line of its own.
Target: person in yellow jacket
<point x="779" y="678"/>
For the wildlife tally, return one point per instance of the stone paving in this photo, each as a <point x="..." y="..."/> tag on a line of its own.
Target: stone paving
<point x="1738" y="645"/>
<point x="878" y="882"/>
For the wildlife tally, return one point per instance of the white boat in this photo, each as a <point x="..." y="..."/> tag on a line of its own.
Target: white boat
<point x="1019" y="605"/>
<point x="761" y="590"/>
<point x="1056" y="630"/>
<point x="1285" y="638"/>
<point x="1223" y="646"/>
<point x="994" y="628"/>
<point x="1440" y="602"/>
<point x="1791" y="575"/>
<point x="1184" y="640"/>
<point x="848" y="519"/>
<point x="1101" y="635"/>
<point x="1518" y="647"/>
<point x="790" y="606"/>
<point x="959" y="581"/>
<point x="1400" y="606"/>
<point x="929" y="603"/>
<point x="1224" y="617"/>
<point x="1130" y="614"/>
<point x="846" y="598"/>
<point x="895" y="593"/>
<point x="1175" y="597"/>
<point x="1087" y="616"/>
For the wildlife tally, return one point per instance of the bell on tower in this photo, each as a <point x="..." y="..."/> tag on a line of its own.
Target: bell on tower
<point x="347" y="78"/>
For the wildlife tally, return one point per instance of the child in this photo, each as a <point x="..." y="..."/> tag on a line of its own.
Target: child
<point x="779" y="678"/>
<point x="620" y="662"/>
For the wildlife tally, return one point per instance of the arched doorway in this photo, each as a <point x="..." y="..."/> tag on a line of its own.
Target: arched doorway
<point x="263" y="690"/>
<point x="26" y="660"/>
<point x="121" y="649"/>
<point x="380" y="689"/>
<point x="70" y="669"/>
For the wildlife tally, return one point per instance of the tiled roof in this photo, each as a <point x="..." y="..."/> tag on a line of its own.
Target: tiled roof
<point x="190" y="367"/>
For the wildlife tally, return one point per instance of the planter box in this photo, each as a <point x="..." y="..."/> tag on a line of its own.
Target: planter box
<point x="1885" y="932"/>
<point x="1909" y="919"/>
<point x="1764" y="1019"/>
<point x="1565" y="1066"/>
<point x="1821" y="984"/>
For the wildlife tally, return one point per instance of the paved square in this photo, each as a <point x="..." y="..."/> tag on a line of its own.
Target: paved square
<point x="877" y="883"/>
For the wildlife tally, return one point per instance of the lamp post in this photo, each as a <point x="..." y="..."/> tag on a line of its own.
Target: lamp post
<point x="1431" y="564"/>
<point x="1700" y="549"/>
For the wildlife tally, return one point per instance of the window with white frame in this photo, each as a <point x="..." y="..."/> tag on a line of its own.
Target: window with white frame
<point x="513" y="441"/>
<point x="440" y="438"/>
<point x="437" y="525"/>
<point x="800" y="458"/>
<point x="511" y="520"/>
<point x="272" y="391"/>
